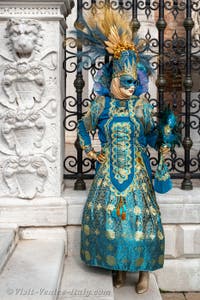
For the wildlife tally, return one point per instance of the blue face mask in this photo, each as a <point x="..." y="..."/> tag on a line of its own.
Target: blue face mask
<point x="126" y="81"/>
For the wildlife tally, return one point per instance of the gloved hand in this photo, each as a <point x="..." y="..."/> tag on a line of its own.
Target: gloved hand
<point x="164" y="150"/>
<point x="100" y="157"/>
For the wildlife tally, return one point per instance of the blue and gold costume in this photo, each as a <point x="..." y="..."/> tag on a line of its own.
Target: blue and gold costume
<point x="121" y="222"/>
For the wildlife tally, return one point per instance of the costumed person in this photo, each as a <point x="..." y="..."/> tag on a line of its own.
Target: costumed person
<point x="121" y="222"/>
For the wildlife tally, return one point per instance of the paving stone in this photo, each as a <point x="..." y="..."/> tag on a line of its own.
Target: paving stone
<point x="172" y="296"/>
<point x="192" y="296"/>
<point x="128" y="290"/>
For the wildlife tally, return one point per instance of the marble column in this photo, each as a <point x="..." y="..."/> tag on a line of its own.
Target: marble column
<point x="31" y="96"/>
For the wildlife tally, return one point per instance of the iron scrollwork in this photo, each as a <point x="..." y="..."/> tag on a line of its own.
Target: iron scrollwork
<point x="175" y="58"/>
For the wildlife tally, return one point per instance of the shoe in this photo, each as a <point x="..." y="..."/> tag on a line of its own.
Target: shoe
<point x="143" y="283"/>
<point x="119" y="279"/>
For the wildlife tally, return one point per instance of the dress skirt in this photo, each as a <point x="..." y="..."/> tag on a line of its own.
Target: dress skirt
<point x="130" y="240"/>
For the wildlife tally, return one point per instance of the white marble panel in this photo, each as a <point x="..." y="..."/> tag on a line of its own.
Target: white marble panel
<point x="179" y="275"/>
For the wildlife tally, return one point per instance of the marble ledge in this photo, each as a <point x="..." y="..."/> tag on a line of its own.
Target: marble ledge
<point x="177" y="206"/>
<point x="56" y="10"/>
<point x="66" y="5"/>
<point x="175" y="196"/>
<point x="47" y="211"/>
<point x="38" y="201"/>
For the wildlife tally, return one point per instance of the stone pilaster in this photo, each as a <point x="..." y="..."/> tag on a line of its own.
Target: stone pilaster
<point x="31" y="96"/>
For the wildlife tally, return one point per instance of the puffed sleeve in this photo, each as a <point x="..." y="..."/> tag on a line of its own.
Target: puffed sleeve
<point x="150" y="129"/>
<point x="89" y="123"/>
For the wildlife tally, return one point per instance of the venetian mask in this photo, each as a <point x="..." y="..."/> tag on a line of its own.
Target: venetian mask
<point x="127" y="81"/>
<point x="127" y="85"/>
<point x="123" y="87"/>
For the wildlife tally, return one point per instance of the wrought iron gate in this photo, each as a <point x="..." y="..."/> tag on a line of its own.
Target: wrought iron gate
<point x="176" y="50"/>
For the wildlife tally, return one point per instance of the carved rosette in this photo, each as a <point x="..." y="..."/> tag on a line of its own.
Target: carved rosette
<point x="25" y="109"/>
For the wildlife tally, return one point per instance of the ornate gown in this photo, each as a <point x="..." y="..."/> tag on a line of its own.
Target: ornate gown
<point x="121" y="221"/>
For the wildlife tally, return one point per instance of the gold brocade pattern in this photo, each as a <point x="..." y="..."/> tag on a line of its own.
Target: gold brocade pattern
<point x="137" y="242"/>
<point x="121" y="151"/>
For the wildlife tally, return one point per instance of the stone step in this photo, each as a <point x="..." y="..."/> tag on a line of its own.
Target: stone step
<point x="34" y="271"/>
<point x="82" y="282"/>
<point x="41" y="233"/>
<point x="128" y="290"/>
<point x="8" y="241"/>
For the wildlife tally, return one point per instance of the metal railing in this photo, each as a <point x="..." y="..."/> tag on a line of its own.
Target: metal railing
<point x="176" y="61"/>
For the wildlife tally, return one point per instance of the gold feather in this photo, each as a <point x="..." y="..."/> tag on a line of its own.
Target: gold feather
<point x="110" y="50"/>
<point x="109" y="44"/>
<point x="113" y="26"/>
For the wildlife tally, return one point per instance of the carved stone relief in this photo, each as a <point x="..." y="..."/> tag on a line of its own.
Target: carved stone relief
<point x="25" y="175"/>
<point x="23" y="130"/>
<point x="25" y="109"/>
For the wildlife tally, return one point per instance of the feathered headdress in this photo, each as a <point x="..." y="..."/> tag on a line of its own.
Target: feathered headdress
<point x="107" y="32"/>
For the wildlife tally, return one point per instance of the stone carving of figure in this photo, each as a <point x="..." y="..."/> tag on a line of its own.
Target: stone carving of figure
<point x="196" y="28"/>
<point x="23" y="80"/>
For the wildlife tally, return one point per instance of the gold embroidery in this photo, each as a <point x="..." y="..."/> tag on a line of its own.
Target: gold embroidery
<point x="160" y="235"/>
<point x="152" y="210"/>
<point x="139" y="261"/>
<point x="121" y="157"/>
<point x="110" y="208"/>
<point x="110" y="234"/>
<point x="110" y="247"/>
<point x="144" y="186"/>
<point x="139" y="235"/>
<point x="99" y="182"/>
<point x="137" y="210"/>
<point x="99" y="206"/>
<point x="161" y="259"/>
<point x="89" y="204"/>
<point x="106" y="167"/>
<point x="110" y="260"/>
<point x="86" y="229"/>
<point x="138" y="222"/>
<point x="98" y="257"/>
<point x="87" y="255"/>
<point x="162" y="247"/>
<point x="124" y="235"/>
<point x="110" y="221"/>
<point x="152" y="236"/>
